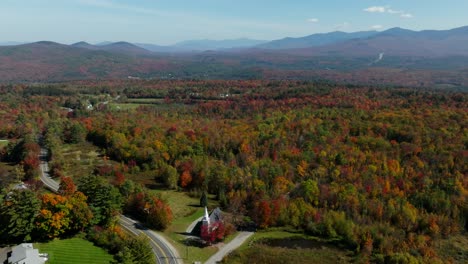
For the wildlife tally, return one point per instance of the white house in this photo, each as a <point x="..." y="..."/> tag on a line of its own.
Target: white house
<point x="26" y="254"/>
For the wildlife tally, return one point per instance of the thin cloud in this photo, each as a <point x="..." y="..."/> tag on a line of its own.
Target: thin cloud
<point x="313" y="20"/>
<point x="402" y="14"/>
<point x="376" y="9"/>
<point x="377" y="27"/>
<point x="388" y="10"/>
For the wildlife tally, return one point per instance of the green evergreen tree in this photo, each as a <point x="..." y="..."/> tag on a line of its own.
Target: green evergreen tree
<point x="203" y="200"/>
<point x="17" y="216"/>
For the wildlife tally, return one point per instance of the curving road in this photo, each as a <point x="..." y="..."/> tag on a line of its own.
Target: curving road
<point x="162" y="249"/>
<point x="45" y="177"/>
<point x="164" y="252"/>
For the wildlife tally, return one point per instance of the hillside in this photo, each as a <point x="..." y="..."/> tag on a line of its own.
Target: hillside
<point x="392" y="57"/>
<point x="49" y="61"/>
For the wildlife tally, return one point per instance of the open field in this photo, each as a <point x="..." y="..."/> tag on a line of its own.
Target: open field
<point x="74" y="250"/>
<point x="157" y="103"/>
<point x="286" y="247"/>
<point x="145" y="100"/>
<point x="123" y="106"/>
<point x="84" y="156"/>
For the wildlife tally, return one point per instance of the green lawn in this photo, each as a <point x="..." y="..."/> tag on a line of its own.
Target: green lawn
<point x="74" y="250"/>
<point x="181" y="204"/>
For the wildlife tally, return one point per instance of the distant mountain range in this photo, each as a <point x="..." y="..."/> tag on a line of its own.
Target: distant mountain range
<point x="442" y="54"/>
<point x="203" y="45"/>
<point x="314" y="40"/>
<point x="399" y="42"/>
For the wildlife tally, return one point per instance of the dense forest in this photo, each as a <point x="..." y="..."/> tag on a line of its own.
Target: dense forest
<point x="383" y="171"/>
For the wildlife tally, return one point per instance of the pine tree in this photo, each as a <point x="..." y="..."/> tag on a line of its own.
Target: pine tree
<point x="203" y="200"/>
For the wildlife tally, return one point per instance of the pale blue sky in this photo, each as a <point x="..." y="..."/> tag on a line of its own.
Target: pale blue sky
<point x="170" y="21"/>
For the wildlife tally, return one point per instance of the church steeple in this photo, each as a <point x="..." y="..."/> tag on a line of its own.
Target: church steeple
<point x="207" y="216"/>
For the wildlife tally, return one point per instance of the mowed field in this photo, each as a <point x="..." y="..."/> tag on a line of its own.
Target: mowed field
<point x="74" y="250"/>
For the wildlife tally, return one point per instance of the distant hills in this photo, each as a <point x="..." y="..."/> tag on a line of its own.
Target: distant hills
<point x="399" y="42"/>
<point x="118" y="47"/>
<point x="314" y="40"/>
<point x="203" y="45"/>
<point x="419" y="58"/>
<point x="396" y="40"/>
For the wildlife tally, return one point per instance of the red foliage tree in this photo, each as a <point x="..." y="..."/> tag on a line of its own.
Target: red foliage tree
<point x="185" y="179"/>
<point x="212" y="232"/>
<point x="67" y="186"/>
<point x="264" y="214"/>
<point x="119" y="178"/>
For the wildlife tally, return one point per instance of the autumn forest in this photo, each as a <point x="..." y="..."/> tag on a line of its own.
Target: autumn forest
<point x="379" y="171"/>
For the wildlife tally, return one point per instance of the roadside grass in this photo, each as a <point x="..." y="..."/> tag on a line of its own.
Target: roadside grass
<point x="74" y="250"/>
<point x="254" y="251"/>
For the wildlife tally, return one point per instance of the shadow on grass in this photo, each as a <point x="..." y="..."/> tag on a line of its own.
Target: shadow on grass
<point x="185" y="233"/>
<point x="194" y="242"/>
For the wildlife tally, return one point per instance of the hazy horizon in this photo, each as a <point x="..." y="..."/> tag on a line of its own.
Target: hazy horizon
<point x="170" y="22"/>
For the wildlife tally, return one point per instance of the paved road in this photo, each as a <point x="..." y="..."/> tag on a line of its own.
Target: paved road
<point x="164" y="252"/>
<point x="45" y="176"/>
<point x="229" y="247"/>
